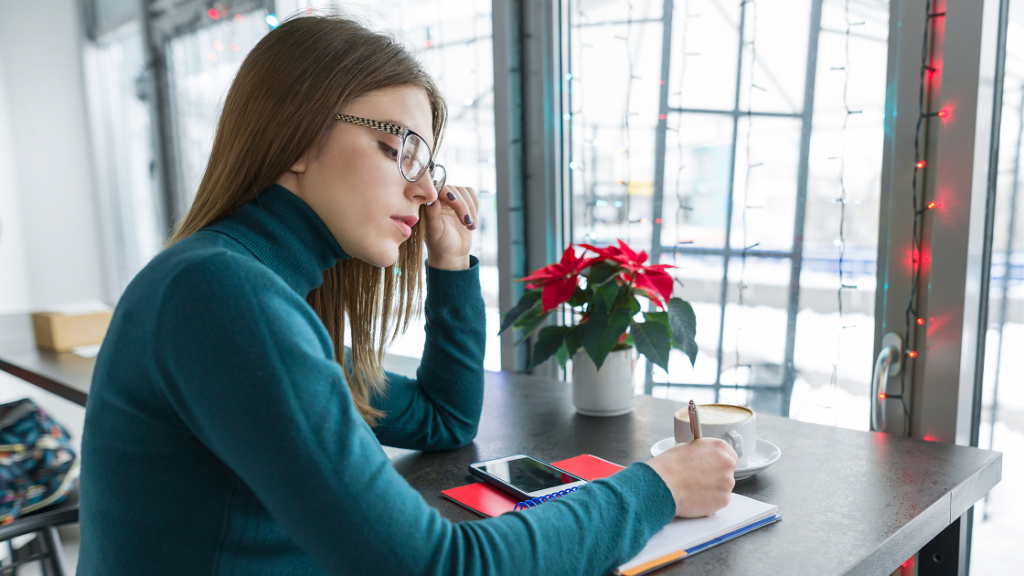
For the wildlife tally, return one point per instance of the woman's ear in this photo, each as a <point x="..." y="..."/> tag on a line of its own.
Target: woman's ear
<point x="300" y="165"/>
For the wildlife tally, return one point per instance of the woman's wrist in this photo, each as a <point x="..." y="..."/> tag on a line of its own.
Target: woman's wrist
<point x="450" y="263"/>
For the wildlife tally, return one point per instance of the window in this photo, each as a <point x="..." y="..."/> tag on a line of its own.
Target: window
<point x="122" y="136"/>
<point x="1002" y="405"/>
<point x="201" y="65"/>
<point x="724" y="170"/>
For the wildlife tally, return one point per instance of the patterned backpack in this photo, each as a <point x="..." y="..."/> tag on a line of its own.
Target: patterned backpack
<point x="37" y="464"/>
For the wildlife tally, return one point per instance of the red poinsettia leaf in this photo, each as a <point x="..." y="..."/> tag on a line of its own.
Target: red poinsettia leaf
<point x="609" y="253"/>
<point x="641" y="257"/>
<point x="568" y="259"/>
<point x="658" y="267"/>
<point x="627" y="251"/>
<point x="543" y="274"/>
<point x="655" y="282"/>
<point x="558" y="292"/>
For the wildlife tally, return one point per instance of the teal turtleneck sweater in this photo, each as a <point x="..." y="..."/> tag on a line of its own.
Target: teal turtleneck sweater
<point x="221" y="437"/>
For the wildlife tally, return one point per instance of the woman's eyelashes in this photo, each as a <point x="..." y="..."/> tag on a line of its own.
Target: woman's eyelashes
<point x="388" y="151"/>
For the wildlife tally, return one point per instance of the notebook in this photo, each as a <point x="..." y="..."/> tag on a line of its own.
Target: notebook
<point x="680" y="538"/>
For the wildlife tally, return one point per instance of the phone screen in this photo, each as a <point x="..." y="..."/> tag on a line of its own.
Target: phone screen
<point x="527" y="474"/>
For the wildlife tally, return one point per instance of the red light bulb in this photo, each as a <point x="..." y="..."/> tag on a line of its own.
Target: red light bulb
<point x="920" y="321"/>
<point x="931" y="205"/>
<point x="943" y="114"/>
<point x="920" y="164"/>
<point x="212" y="12"/>
<point x="912" y="353"/>
<point x="881" y="395"/>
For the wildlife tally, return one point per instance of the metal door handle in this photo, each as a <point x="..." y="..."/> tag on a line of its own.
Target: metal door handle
<point x="888" y="363"/>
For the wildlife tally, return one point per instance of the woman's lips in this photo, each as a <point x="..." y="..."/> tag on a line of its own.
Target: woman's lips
<point x="406" y="230"/>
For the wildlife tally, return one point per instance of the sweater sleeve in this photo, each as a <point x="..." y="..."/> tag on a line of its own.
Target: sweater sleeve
<point x="440" y="408"/>
<point x="247" y="371"/>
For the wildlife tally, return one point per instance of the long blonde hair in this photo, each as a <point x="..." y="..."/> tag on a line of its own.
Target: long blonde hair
<point x="280" y="105"/>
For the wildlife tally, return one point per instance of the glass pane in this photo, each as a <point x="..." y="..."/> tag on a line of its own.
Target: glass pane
<point x="732" y="181"/>
<point x="997" y="532"/>
<point x="699" y="279"/>
<point x="119" y="114"/>
<point x="202" y="65"/>
<point x="775" y="56"/>
<point x="705" y="40"/>
<point x="765" y="183"/>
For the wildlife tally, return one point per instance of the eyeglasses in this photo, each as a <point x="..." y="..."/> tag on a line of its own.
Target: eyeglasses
<point x="414" y="156"/>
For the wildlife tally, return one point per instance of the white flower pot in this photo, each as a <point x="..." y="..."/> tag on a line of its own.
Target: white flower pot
<point x="604" y="392"/>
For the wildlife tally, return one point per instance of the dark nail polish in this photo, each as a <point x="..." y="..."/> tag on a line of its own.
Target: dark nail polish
<point x="451" y="196"/>
<point x="467" y="219"/>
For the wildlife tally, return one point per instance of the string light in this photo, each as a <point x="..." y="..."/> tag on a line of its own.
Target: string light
<point x="681" y="207"/>
<point x="625" y="124"/>
<point x="212" y="13"/>
<point x="842" y="202"/>
<point x="741" y="285"/>
<point x="917" y="241"/>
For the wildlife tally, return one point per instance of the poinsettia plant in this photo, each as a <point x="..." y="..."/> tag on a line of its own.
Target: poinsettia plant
<point x="601" y="291"/>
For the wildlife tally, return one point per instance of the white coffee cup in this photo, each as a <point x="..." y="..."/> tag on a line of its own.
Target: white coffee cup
<point x="736" y="425"/>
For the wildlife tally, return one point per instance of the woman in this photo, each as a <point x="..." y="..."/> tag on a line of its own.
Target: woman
<point x="223" y="437"/>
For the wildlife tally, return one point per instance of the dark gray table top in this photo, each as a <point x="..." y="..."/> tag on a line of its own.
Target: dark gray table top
<point x="852" y="502"/>
<point x="65" y="374"/>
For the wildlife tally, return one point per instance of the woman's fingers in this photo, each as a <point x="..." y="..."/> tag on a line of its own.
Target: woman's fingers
<point x="462" y="200"/>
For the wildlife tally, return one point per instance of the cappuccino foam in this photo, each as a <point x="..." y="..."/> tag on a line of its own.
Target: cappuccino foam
<point x="717" y="414"/>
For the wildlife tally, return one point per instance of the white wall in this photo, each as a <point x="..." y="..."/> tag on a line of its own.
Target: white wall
<point x="47" y="201"/>
<point x="15" y="289"/>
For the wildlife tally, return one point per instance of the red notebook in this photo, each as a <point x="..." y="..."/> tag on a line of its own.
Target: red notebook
<point x="486" y="500"/>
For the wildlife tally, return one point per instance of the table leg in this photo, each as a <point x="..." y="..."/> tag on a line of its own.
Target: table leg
<point x="946" y="554"/>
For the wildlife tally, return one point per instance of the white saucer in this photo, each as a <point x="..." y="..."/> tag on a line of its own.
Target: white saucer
<point x="766" y="455"/>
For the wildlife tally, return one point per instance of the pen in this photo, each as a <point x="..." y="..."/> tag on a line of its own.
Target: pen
<point x="694" y="420"/>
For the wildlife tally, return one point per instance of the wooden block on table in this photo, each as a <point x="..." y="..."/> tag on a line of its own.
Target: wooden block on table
<point x="60" y="332"/>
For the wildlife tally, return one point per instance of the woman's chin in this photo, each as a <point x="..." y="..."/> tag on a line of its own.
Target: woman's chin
<point x="381" y="258"/>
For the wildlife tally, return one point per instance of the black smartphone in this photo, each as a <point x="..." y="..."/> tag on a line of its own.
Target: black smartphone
<point x="524" y="477"/>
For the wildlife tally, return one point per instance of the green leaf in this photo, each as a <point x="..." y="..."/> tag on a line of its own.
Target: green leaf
<point x="562" y="355"/>
<point x="659" y="317"/>
<point x="604" y="297"/>
<point x="581" y="296"/>
<point x="683" y="322"/>
<point x="548" y="342"/>
<point x="634" y="306"/>
<point x="600" y="273"/>
<point x="572" y="341"/>
<point x="600" y="333"/>
<point x="532" y="325"/>
<point x="653" y="340"/>
<point x="528" y="301"/>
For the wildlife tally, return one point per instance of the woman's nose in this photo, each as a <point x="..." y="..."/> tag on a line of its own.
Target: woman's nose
<point x="423" y="190"/>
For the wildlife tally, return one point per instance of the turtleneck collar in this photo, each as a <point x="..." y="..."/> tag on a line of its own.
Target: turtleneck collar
<point x="285" y="235"/>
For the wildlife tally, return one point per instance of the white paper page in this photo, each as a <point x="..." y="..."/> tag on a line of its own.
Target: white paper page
<point x="685" y="533"/>
<point x="87" y="351"/>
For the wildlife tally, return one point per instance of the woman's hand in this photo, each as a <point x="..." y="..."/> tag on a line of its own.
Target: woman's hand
<point x="699" y="474"/>
<point x="450" y="222"/>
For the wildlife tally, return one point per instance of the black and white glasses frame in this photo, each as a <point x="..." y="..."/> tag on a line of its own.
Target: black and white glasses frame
<point x="414" y="155"/>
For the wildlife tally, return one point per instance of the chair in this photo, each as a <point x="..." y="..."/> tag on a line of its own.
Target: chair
<point x="46" y="547"/>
